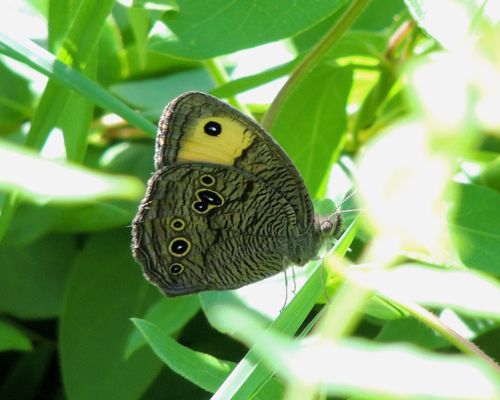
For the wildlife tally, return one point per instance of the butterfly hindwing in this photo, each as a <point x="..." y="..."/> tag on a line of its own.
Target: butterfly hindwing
<point x="211" y="227"/>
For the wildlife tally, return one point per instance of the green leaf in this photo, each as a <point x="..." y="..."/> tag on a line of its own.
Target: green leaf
<point x="204" y="370"/>
<point x="170" y="315"/>
<point x="42" y="180"/>
<point x="75" y="121"/>
<point x="474" y="223"/>
<point x="15" y="99"/>
<point x="413" y="331"/>
<point x="12" y="338"/>
<point x="202" y="30"/>
<point x="105" y="289"/>
<point x="152" y="95"/>
<point x="312" y="124"/>
<point x="33" y="278"/>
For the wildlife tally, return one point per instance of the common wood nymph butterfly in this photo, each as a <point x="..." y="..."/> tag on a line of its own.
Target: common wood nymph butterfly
<point x="226" y="206"/>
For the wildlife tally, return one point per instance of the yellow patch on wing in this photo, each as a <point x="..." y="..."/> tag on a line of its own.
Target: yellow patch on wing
<point x="221" y="149"/>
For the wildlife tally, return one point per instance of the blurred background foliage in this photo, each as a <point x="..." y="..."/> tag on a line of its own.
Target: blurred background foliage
<point x="396" y="98"/>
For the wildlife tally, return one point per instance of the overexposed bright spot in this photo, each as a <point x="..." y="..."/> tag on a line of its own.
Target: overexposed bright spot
<point x="487" y="78"/>
<point x="451" y="319"/>
<point x="402" y="182"/>
<point x="356" y="367"/>
<point x="492" y="11"/>
<point x="472" y="169"/>
<point x="19" y="18"/>
<point x="259" y="59"/>
<point x="54" y="145"/>
<point x="43" y="180"/>
<point x="441" y="86"/>
<point x="487" y="111"/>
<point x="451" y="33"/>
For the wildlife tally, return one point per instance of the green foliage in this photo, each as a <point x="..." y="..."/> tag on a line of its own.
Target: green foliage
<point x="396" y="98"/>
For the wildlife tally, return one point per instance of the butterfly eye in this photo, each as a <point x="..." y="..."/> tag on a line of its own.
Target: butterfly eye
<point x="213" y="128"/>
<point x="176" y="269"/>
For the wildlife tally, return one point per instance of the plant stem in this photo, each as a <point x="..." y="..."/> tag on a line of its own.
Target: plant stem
<point x="313" y="59"/>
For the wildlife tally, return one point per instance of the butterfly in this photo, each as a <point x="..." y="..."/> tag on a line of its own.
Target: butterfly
<point x="226" y="206"/>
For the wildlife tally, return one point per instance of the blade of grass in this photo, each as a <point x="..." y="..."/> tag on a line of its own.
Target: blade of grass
<point x="42" y="61"/>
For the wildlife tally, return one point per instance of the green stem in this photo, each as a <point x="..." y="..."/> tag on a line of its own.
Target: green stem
<point x="313" y="59"/>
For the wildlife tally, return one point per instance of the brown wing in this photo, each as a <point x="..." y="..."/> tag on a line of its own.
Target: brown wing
<point x="211" y="227"/>
<point x="188" y="131"/>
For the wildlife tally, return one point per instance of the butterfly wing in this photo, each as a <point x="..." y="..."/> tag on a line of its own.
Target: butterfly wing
<point x="197" y="127"/>
<point x="211" y="227"/>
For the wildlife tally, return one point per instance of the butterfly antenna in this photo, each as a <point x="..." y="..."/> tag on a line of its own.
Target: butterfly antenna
<point x="340" y="205"/>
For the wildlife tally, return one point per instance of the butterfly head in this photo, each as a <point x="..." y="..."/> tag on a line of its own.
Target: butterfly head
<point x="329" y="226"/>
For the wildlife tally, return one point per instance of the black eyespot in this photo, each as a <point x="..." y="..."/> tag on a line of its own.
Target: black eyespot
<point x="179" y="247"/>
<point x="176" y="269"/>
<point x="210" y="197"/>
<point x="178" y="224"/>
<point x="213" y="128"/>
<point x="200" y="206"/>
<point x="207" y="180"/>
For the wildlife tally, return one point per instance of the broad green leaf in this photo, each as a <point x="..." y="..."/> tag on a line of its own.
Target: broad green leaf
<point x="202" y="30"/>
<point x="356" y="367"/>
<point x="474" y="223"/>
<point x="152" y="95"/>
<point x="410" y="330"/>
<point x="42" y="180"/>
<point x="312" y="124"/>
<point x="11" y="338"/>
<point x="105" y="289"/>
<point x="135" y="159"/>
<point x="413" y="331"/>
<point x="168" y="314"/>
<point x="380" y="15"/>
<point x="33" y="277"/>
<point x="202" y="369"/>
